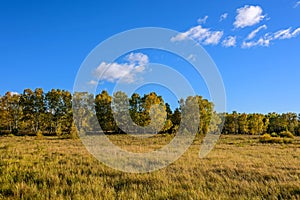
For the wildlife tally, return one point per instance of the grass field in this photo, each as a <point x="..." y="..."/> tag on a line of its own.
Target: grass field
<point x="239" y="167"/>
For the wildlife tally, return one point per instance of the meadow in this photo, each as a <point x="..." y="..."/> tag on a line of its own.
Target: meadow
<point x="239" y="167"/>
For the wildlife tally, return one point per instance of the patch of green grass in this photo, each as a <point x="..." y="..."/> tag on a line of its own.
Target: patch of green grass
<point x="239" y="167"/>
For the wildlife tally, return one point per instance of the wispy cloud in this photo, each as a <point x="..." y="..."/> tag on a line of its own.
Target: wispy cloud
<point x="297" y="4"/>
<point x="202" y="20"/>
<point x="286" y="33"/>
<point x="126" y="72"/>
<point x="248" y="16"/>
<point x="254" y="32"/>
<point x="223" y="17"/>
<point x="262" y="41"/>
<point x="201" y="35"/>
<point x="268" y="37"/>
<point x="230" y="41"/>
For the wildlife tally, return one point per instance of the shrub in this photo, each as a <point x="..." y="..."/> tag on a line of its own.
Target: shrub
<point x="287" y="140"/>
<point x="276" y="140"/>
<point x="284" y="137"/>
<point x="267" y="138"/>
<point x="39" y="134"/>
<point x="73" y="132"/>
<point x="286" y="134"/>
<point x="274" y="134"/>
<point x="10" y="135"/>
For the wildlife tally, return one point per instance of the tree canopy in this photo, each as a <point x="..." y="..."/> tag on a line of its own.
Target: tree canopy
<point x="51" y="113"/>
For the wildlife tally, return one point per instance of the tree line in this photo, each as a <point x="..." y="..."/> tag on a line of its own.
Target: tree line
<point x="51" y="113"/>
<point x="258" y="124"/>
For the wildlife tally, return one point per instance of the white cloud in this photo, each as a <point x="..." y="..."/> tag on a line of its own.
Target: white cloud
<point x="267" y="38"/>
<point x="223" y="16"/>
<point x="14" y="93"/>
<point x="214" y="38"/>
<point x="230" y="41"/>
<point x="286" y="33"/>
<point x="127" y="72"/>
<point x="201" y="35"/>
<point x="248" y="16"/>
<point x="296" y="32"/>
<point x="138" y="58"/>
<point x="249" y="44"/>
<point x="93" y="82"/>
<point x="262" y="41"/>
<point x="202" y="20"/>
<point x="297" y="4"/>
<point x="283" y="34"/>
<point x="253" y="33"/>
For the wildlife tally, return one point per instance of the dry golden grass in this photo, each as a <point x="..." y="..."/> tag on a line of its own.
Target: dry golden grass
<point x="239" y="167"/>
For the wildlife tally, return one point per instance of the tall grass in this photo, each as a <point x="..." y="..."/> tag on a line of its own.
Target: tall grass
<point x="239" y="167"/>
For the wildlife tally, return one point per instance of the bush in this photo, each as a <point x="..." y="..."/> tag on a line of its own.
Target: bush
<point x="274" y="134"/>
<point x="267" y="138"/>
<point x="286" y="134"/>
<point x="285" y="137"/>
<point x="287" y="140"/>
<point x="276" y="140"/>
<point x="73" y="134"/>
<point x="39" y="134"/>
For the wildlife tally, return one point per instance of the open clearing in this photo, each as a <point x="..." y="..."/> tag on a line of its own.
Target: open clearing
<point x="239" y="167"/>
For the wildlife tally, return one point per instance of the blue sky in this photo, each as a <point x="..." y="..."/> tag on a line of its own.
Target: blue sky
<point x="43" y="43"/>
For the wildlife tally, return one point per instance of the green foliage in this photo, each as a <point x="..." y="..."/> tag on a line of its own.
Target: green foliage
<point x="286" y="134"/>
<point x="10" y="135"/>
<point x="11" y="112"/>
<point x="231" y="124"/>
<point x="274" y="134"/>
<point x="168" y="126"/>
<point x="155" y="111"/>
<point x="288" y="140"/>
<point x="190" y="115"/>
<point x="52" y="113"/>
<point x="257" y="124"/>
<point x="104" y="112"/>
<point x="286" y="121"/>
